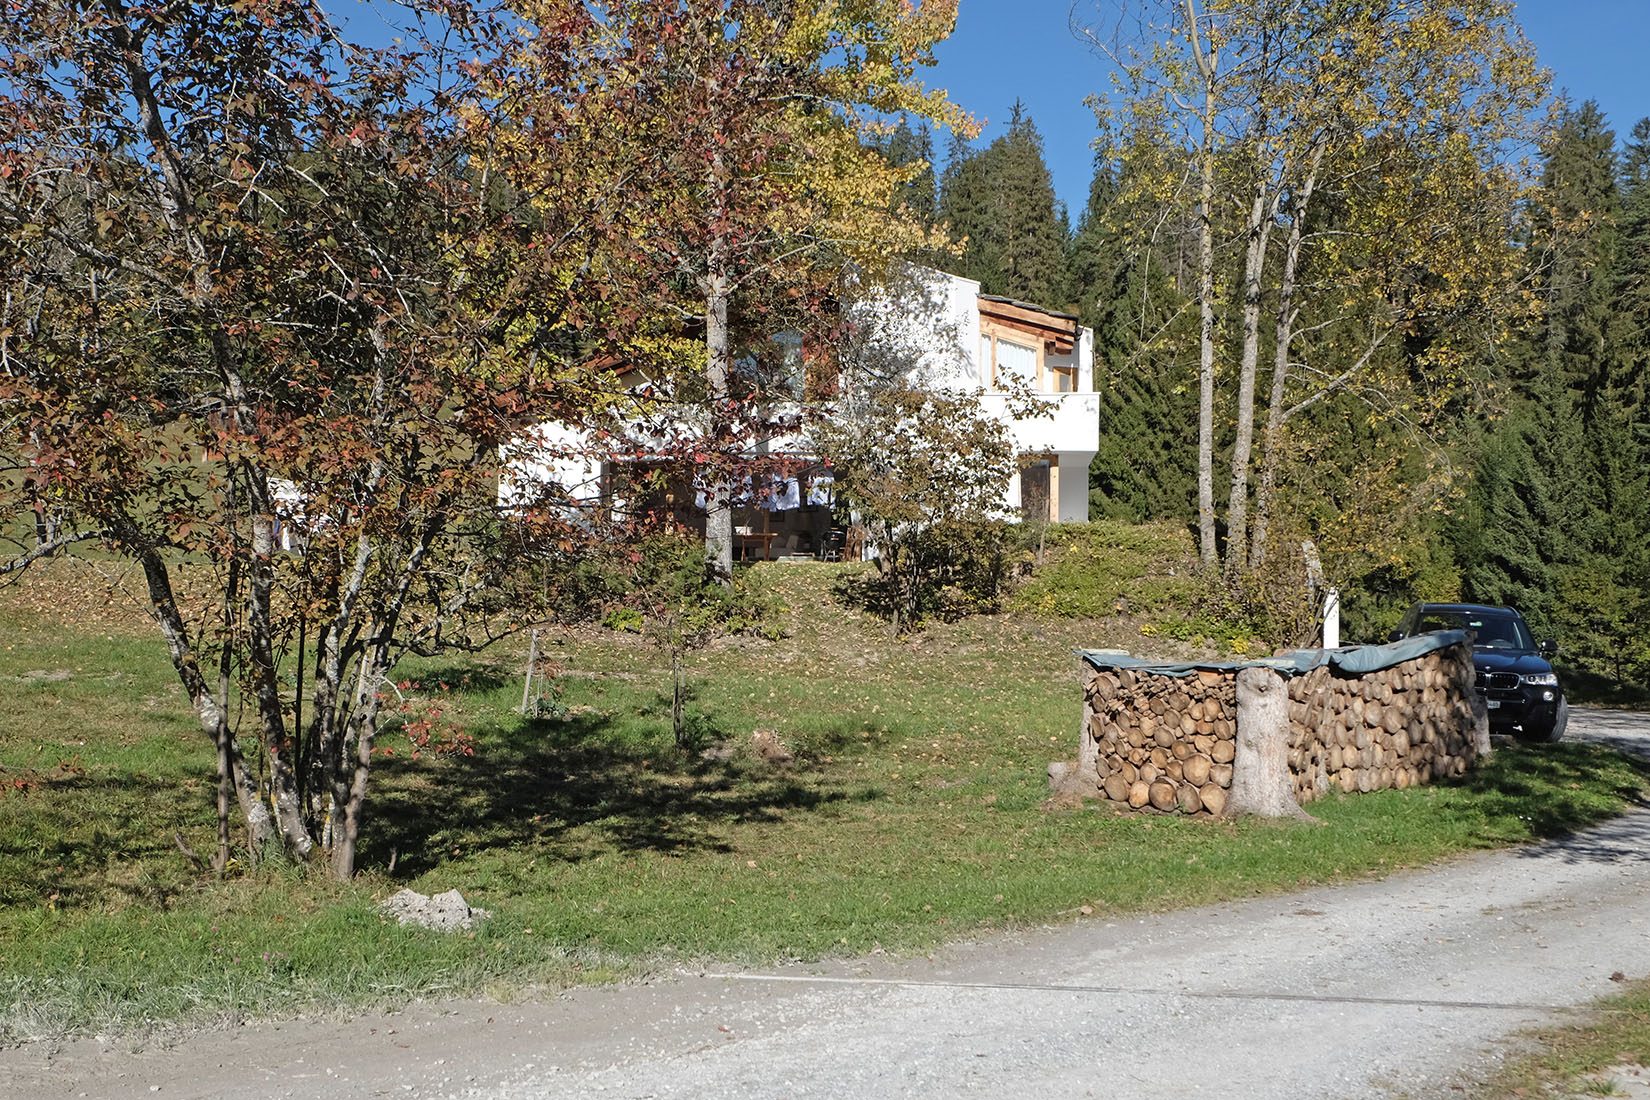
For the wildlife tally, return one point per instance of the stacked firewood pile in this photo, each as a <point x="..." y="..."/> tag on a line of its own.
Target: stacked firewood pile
<point x="1157" y="741"/>
<point x="1397" y="727"/>
<point x="1163" y="741"/>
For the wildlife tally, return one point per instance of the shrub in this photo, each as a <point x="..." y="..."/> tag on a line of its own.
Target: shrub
<point x="944" y="571"/>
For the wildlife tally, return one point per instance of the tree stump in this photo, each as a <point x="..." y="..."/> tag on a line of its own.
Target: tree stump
<point x="1089" y="729"/>
<point x="1261" y="782"/>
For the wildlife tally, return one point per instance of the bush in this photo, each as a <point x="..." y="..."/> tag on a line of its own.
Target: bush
<point x="945" y="571"/>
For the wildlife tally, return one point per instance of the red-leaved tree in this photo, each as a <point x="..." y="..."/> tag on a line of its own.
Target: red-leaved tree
<point x="263" y="292"/>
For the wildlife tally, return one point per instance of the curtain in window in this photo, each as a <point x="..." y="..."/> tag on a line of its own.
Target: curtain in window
<point x="1015" y="361"/>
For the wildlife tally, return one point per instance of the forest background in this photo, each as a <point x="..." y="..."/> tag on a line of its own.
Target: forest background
<point x="1525" y="484"/>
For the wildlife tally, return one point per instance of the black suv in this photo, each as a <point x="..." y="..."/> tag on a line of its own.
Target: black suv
<point x="1514" y="676"/>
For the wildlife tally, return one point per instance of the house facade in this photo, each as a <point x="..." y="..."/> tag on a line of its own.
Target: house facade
<point x="935" y="329"/>
<point x="1013" y="354"/>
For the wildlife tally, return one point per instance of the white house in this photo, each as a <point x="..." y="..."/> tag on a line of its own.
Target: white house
<point x="961" y="339"/>
<point x="937" y="330"/>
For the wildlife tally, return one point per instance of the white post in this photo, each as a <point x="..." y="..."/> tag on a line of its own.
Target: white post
<point x="1332" y="619"/>
<point x="532" y="659"/>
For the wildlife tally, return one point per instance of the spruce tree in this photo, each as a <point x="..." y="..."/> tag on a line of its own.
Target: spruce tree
<point x="1621" y="438"/>
<point x="907" y="148"/>
<point x="1561" y="490"/>
<point x="1001" y="200"/>
<point x="1630" y="306"/>
<point x="1601" y="585"/>
<point x="963" y="204"/>
<point x="1577" y="228"/>
<point x="1147" y="437"/>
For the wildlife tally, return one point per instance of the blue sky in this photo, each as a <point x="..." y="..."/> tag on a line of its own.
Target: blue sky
<point x="1008" y="49"/>
<point x="1005" y="50"/>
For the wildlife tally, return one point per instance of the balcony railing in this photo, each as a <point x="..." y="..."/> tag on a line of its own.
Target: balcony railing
<point x="1073" y="423"/>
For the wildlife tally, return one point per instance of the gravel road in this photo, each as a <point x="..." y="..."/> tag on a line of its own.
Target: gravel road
<point x="1397" y="988"/>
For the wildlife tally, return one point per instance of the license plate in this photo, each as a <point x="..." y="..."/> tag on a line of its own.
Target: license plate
<point x="1492" y="703"/>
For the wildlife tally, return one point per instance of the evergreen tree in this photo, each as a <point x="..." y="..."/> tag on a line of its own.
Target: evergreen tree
<point x="1096" y="262"/>
<point x="1619" y="594"/>
<point x="1001" y="201"/>
<point x="1147" y="421"/>
<point x="963" y="204"/>
<point x="1630" y="312"/>
<point x="1559" y="516"/>
<point x="908" y="148"/>
<point x="1577" y="227"/>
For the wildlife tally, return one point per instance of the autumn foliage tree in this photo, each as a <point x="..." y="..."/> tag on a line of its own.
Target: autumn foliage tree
<point x="738" y="146"/>
<point x="924" y="469"/>
<point x="1353" y="174"/>
<point x="261" y="286"/>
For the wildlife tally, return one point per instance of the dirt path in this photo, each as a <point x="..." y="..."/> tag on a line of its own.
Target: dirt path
<point x="1382" y="989"/>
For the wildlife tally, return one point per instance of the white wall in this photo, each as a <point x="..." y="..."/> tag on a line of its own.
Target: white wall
<point x="932" y="320"/>
<point x="551" y="454"/>
<point x="925" y="322"/>
<point x="928" y="323"/>
<point x="1074" y="486"/>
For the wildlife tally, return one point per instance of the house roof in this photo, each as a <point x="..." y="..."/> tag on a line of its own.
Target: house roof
<point x="1057" y="330"/>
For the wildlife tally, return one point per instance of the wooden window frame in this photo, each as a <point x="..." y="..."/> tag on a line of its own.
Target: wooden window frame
<point x="1047" y="377"/>
<point x="990" y="334"/>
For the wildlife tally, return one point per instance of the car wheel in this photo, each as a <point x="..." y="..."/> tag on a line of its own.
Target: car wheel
<point x="1561" y="718"/>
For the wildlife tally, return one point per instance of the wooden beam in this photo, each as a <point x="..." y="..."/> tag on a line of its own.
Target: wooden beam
<point x="1057" y="331"/>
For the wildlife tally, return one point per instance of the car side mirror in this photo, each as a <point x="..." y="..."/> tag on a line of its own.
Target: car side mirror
<point x="1548" y="646"/>
<point x="1395" y="636"/>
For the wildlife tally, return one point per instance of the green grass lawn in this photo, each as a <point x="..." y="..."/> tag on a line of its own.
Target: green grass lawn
<point x="913" y="809"/>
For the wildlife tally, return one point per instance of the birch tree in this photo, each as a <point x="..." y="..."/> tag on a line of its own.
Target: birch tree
<point x="1362" y="167"/>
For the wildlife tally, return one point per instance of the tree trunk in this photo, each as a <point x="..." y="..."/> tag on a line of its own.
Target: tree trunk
<point x="1254" y="266"/>
<point x="888" y="564"/>
<point x="718" y="289"/>
<point x="1261" y="783"/>
<point x="226" y="675"/>
<point x="1206" y="64"/>
<point x="350" y="786"/>
<point x="266" y="676"/>
<point x="378" y="657"/>
<point x="1283" y="339"/>
<point x="678" y="695"/>
<point x="334" y="653"/>
<point x="213" y="718"/>
<point x="719" y="493"/>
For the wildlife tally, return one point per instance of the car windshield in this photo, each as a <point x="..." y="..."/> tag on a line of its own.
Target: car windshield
<point x="1494" y="631"/>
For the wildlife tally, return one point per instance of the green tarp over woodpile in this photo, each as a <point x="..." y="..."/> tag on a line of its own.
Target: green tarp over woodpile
<point x="1351" y="660"/>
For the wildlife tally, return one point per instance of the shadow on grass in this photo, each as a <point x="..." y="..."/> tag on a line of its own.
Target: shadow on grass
<point x="864" y="590"/>
<point x="569" y="789"/>
<point x="459" y="676"/>
<point x="78" y="840"/>
<point x="1560" y="790"/>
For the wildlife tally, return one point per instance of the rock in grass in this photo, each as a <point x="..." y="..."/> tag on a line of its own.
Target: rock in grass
<point x="447" y="912"/>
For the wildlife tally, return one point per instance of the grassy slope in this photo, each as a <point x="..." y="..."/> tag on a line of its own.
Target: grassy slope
<point x="913" y="810"/>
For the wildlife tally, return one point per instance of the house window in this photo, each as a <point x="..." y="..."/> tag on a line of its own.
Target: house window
<point x="1015" y="362"/>
<point x="1061" y="378"/>
<point x="1008" y="363"/>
